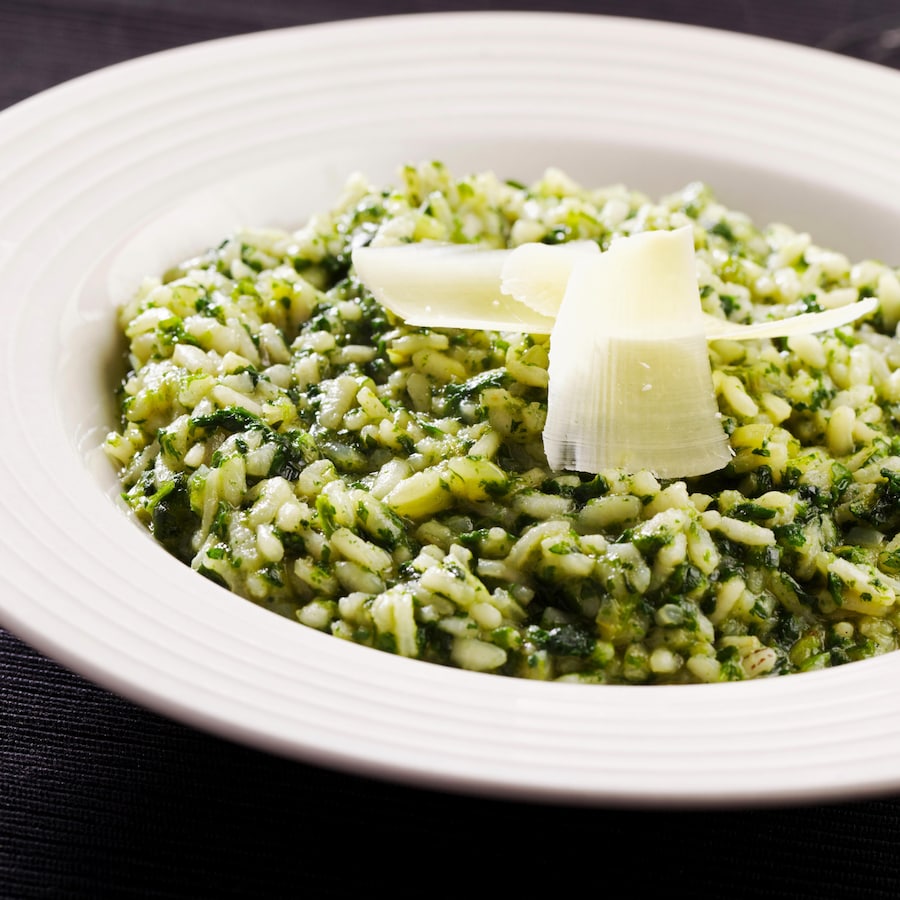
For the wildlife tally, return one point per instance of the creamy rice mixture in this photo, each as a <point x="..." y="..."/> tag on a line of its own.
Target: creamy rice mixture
<point x="293" y="441"/>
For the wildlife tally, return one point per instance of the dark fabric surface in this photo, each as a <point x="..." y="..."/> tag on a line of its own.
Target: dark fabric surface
<point x="99" y="798"/>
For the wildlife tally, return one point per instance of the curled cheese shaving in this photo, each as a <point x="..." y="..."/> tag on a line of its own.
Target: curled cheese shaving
<point x="437" y="285"/>
<point x="630" y="378"/>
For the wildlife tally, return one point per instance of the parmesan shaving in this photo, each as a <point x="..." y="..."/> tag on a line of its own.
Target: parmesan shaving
<point x="438" y="285"/>
<point x="630" y="377"/>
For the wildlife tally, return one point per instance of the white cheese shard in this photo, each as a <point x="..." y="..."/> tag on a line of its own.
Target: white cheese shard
<point x="630" y="377"/>
<point x="805" y="323"/>
<point x="438" y="285"/>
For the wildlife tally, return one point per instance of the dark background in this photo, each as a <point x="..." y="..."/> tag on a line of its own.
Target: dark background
<point x="99" y="798"/>
<point x="43" y="42"/>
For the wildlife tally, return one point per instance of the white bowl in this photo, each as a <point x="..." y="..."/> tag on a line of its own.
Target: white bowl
<point x="126" y="171"/>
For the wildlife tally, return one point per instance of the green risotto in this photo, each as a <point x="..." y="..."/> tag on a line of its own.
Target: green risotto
<point x="293" y="441"/>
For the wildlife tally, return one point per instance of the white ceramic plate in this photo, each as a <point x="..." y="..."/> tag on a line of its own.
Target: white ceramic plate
<point x="127" y="170"/>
